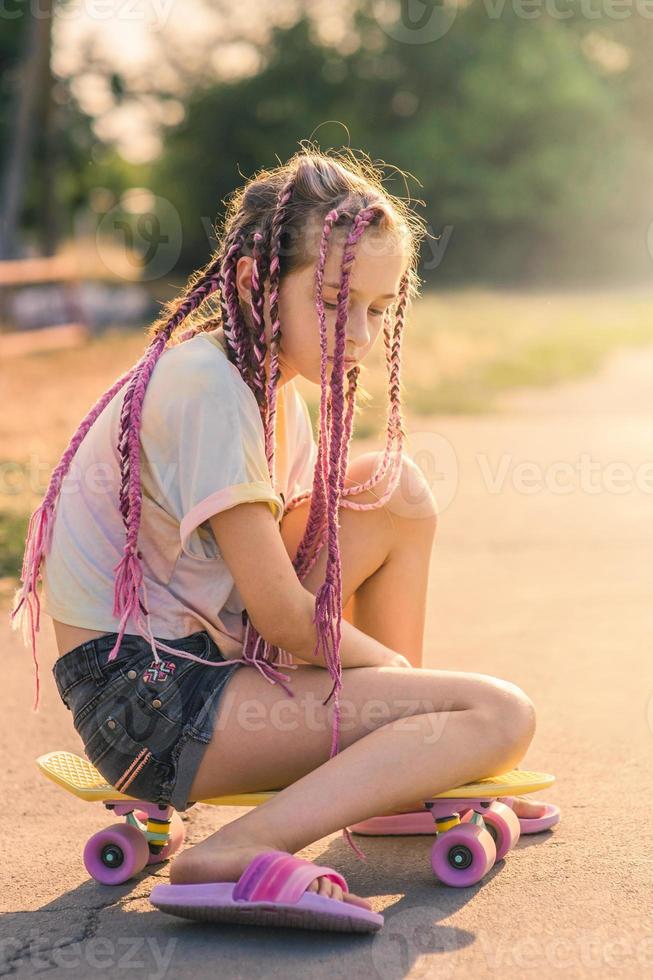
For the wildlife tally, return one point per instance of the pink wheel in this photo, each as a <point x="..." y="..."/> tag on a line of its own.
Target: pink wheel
<point x="503" y="825"/>
<point x="177" y="837"/>
<point x="116" y="854"/>
<point x="463" y="855"/>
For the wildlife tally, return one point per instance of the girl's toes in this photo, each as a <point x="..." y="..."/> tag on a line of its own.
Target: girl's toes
<point x="357" y="900"/>
<point x="528" y="808"/>
<point x="335" y="891"/>
<point x="330" y="889"/>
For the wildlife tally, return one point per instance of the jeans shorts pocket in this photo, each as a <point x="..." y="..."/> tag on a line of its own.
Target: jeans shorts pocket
<point x="126" y="764"/>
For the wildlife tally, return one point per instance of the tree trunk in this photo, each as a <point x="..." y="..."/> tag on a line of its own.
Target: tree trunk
<point x="30" y="91"/>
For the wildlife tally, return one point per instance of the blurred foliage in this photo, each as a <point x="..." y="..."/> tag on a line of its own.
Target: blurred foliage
<point x="522" y="143"/>
<point x="13" y="529"/>
<point x="523" y="138"/>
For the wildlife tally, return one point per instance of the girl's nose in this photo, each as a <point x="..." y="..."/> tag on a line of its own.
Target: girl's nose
<point x="358" y="335"/>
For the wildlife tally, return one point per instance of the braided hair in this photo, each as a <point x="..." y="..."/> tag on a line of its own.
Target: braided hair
<point x="262" y="219"/>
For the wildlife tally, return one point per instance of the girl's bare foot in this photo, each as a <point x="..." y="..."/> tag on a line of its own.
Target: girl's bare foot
<point x="528" y="808"/>
<point x="212" y="861"/>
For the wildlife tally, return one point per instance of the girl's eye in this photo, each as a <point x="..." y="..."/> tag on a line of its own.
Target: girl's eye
<point x="334" y="306"/>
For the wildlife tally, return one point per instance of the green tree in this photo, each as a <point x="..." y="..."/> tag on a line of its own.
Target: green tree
<point x="506" y="123"/>
<point x="46" y="141"/>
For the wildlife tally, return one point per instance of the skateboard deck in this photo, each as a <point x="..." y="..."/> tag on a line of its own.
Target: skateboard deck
<point x="79" y="777"/>
<point x="473" y="828"/>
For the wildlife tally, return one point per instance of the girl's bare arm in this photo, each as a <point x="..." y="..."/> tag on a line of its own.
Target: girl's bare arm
<point x="277" y="603"/>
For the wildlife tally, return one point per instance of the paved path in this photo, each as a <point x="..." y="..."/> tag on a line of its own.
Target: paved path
<point x="541" y="574"/>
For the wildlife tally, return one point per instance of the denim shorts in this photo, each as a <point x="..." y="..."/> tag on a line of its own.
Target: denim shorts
<point x="144" y="727"/>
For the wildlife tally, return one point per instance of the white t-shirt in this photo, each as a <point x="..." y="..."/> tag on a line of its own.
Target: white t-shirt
<point x="202" y="451"/>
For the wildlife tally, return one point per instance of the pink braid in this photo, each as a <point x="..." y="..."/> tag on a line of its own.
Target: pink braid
<point x="26" y="612"/>
<point x="394" y="424"/>
<point x="328" y="605"/>
<point x="128" y="571"/>
<point x="276" y="230"/>
<point x="254" y="643"/>
<point x="257" y="305"/>
<point x="235" y="329"/>
<point x="317" y="510"/>
<point x="395" y="428"/>
<point x="328" y="602"/>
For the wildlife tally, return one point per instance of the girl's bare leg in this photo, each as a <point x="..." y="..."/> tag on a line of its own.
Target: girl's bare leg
<point x="405" y="735"/>
<point x="383" y="607"/>
<point x="391" y="604"/>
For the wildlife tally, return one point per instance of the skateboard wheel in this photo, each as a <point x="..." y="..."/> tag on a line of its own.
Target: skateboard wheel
<point x="502" y="824"/>
<point x="116" y="854"/>
<point x="177" y="833"/>
<point x="463" y="855"/>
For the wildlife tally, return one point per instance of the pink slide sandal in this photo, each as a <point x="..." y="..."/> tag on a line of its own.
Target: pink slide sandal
<point x="271" y="891"/>
<point x="421" y="822"/>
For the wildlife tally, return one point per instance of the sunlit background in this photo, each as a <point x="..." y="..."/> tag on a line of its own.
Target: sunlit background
<point x="519" y="129"/>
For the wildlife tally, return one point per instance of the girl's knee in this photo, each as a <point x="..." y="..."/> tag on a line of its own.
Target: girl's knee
<point x="510" y="715"/>
<point x="412" y="496"/>
<point x="522" y="717"/>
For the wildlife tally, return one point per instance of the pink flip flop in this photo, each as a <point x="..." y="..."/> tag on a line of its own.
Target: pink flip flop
<point x="271" y="891"/>
<point x="421" y="822"/>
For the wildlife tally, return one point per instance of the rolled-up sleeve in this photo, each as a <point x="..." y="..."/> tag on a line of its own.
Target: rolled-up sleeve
<point x="205" y="448"/>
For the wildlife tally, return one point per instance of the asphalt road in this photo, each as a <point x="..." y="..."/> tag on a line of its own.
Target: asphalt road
<point x="541" y="574"/>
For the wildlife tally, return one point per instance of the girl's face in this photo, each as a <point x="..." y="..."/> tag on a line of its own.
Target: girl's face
<point x="375" y="277"/>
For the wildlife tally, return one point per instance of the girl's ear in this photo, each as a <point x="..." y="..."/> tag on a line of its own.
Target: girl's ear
<point x="244" y="278"/>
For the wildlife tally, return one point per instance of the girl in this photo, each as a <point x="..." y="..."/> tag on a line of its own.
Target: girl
<point x="199" y="529"/>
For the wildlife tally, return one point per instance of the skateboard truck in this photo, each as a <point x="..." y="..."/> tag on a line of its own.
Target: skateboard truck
<point x="155" y="829"/>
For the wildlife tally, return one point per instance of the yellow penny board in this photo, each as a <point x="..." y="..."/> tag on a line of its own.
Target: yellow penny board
<point x="79" y="777"/>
